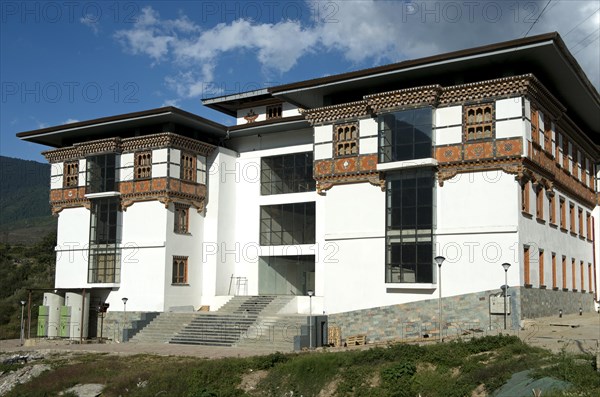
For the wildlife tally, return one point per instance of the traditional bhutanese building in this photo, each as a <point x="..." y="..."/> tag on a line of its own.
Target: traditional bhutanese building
<point x="348" y="186"/>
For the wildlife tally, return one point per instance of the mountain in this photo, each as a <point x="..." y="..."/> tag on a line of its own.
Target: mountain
<point x="24" y="193"/>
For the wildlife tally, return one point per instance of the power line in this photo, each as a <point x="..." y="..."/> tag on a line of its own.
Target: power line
<point x="579" y="50"/>
<point x="584" y="39"/>
<point x="576" y="26"/>
<point x="534" y="22"/>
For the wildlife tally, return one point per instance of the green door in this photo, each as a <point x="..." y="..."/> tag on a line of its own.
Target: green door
<point x="42" y="327"/>
<point x="65" y="320"/>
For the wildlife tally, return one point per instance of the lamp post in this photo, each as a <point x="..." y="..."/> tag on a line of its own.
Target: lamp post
<point x="124" y="314"/>
<point x="22" y="322"/>
<point x="505" y="266"/>
<point x="310" y="326"/>
<point x="439" y="260"/>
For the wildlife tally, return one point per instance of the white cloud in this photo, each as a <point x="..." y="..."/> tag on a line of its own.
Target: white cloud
<point x="374" y="32"/>
<point x="69" y="121"/>
<point x="91" y="22"/>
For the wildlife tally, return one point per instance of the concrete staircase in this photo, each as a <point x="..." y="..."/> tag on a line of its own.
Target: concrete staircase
<point x="244" y="321"/>
<point x="165" y="326"/>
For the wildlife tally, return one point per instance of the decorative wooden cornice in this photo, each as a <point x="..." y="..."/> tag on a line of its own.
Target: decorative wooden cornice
<point x="127" y="145"/>
<point x="449" y="171"/>
<point x="164" y="190"/>
<point x="417" y="96"/>
<point x="354" y="169"/>
<point x="473" y="92"/>
<point x="327" y="114"/>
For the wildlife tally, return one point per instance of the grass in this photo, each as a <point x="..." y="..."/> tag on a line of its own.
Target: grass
<point x="446" y="370"/>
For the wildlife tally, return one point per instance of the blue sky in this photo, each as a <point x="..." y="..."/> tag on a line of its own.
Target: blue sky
<point x="71" y="61"/>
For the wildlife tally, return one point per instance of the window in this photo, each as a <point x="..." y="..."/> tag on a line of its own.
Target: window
<point x="576" y="163"/>
<point x="573" y="274"/>
<point x="590" y="289"/>
<point x="580" y="218"/>
<point x="557" y="148"/>
<point x="180" y="270"/>
<point x="289" y="173"/>
<point x="274" y="111"/>
<point x="539" y="203"/>
<point x="582" y="281"/>
<point x="525" y="197"/>
<point x="535" y="133"/>
<point x="563" y="214"/>
<point x="572" y="217"/>
<point x="552" y="208"/>
<point x="409" y="225"/>
<point x="478" y="121"/>
<point x="143" y="165"/>
<point x="345" y="139"/>
<point x="564" y="273"/>
<point x="405" y="135"/>
<point x="104" y="256"/>
<point x="71" y="174"/>
<point x="188" y="167"/>
<point x="588" y="222"/>
<point x="554" y="285"/>
<point x="181" y="218"/>
<point x="286" y="275"/>
<point x="527" y="280"/>
<point x="547" y="134"/>
<point x="566" y="153"/>
<point x="101" y="173"/>
<point x="287" y="224"/>
<point x="541" y="268"/>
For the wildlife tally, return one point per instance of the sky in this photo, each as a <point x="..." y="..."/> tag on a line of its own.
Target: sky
<point x="68" y="61"/>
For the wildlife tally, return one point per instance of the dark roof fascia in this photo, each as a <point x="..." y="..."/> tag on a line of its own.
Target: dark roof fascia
<point x="412" y="63"/>
<point x="122" y="117"/>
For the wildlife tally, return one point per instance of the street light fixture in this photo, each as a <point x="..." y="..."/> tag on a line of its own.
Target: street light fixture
<point x="505" y="266"/>
<point x="124" y="314"/>
<point x="310" y="326"/>
<point x="439" y="260"/>
<point x="22" y="322"/>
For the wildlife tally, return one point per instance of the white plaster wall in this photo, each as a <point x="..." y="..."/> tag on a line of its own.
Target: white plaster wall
<point x="323" y="151"/>
<point x="366" y="127"/>
<point x="189" y="245"/>
<point x="259" y="110"/>
<point x="448" y="116"/>
<point x="56" y="175"/>
<point x="274" y="141"/>
<point x="509" y="108"/>
<point x="510" y="128"/>
<point x="448" y="135"/>
<point x="219" y="224"/>
<point x="174" y="161"/>
<point x="596" y="216"/>
<point x="82" y="172"/>
<point x="540" y="235"/>
<point x="323" y="133"/>
<point x="126" y="169"/>
<point x="71" y="248"/>
<point x="289" y="110"/>
<point x="143" y="259"/>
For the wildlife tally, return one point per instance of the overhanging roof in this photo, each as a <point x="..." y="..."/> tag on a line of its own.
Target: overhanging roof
<point x="105" y="127"/>
<point x="546" y="56"/>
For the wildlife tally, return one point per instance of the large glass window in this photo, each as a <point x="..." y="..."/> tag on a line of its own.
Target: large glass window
<point x="405" y="135"/>
<point x="101" y="173"/>
<point x="409" y="227"/>
<point x="104" y="256"/>
<point x="286" y="275"/>
<point x="287" y="224"/>
<point x="289" y="173"/>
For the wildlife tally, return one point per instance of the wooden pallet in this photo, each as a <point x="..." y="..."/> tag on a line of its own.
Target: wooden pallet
<point x="356" y="340"/>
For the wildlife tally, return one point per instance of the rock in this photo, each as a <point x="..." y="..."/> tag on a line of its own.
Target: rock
<point x="21" y="375"/>
<point x="87" y="390"/>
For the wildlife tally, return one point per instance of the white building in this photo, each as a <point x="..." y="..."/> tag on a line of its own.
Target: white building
<point x="349" y="186"/>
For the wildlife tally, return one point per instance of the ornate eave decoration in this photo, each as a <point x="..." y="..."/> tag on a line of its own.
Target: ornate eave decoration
<point x="326" y="183"/>
<point x="327" y="114"/>
<point x="118" y="145"/>
<point x="417" y="96"/>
